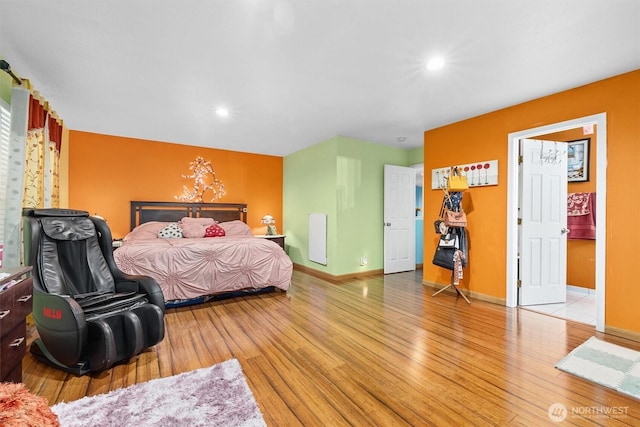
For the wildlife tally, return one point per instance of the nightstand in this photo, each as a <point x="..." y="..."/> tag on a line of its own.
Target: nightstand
<point x="16" y="301"/>
<point x="279" y="239"/>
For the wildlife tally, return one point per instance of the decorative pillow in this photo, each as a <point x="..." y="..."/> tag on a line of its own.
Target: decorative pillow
<point x="171" y="231"/>
<point x="148" y="230"/>
<point x="214" y="231"/>
<point x="203" y="221"/>
<point x="192" y="230"/>
<point x="236" y="228"/>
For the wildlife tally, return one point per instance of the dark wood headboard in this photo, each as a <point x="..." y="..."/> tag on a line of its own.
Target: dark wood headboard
<point x="142" y="212"/>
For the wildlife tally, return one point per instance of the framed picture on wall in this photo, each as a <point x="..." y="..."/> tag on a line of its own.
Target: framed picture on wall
<point x="578" y="160"/>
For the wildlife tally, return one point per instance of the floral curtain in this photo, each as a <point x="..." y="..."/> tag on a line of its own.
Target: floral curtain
<point x="53" y="175"/>
<point x="42" y="158"/>
<point x="34" y="171"/>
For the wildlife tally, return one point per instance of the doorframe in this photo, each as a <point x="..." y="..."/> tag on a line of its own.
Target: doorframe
<point x="420" y="167"/>
<point x="600" y="120"/>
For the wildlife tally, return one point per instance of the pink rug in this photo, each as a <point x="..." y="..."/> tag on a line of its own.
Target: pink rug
<point x="214" y="396"/>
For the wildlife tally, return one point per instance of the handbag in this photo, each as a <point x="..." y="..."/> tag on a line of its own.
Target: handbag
<point x="456" y="182"/>
<point x="440" y="227"/>
<point x="450" y="201"/>
<point x="449" y="241"/>
<point x="443" y="257"/>
<point x="455" y="218"/>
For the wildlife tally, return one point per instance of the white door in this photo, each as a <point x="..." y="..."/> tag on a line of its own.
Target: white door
<point x="543" y="214"/>
<point x="399" y="219"/>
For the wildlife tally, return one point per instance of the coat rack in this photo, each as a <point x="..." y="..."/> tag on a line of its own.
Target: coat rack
<point x="451" y="252"/>
<point x="451" y="285"/>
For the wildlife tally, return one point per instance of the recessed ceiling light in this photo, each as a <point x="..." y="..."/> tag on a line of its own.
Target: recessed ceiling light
<point x="435" y="63"/>
<point x="222" y="112"/>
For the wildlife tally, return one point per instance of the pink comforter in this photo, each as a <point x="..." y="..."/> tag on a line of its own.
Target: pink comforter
<point x="192" y="267"/>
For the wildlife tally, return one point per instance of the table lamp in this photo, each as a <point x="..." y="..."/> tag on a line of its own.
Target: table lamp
<point x="271" y="229"/>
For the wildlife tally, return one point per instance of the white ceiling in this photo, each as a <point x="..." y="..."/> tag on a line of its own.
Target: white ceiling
<point x="297" y="72"/>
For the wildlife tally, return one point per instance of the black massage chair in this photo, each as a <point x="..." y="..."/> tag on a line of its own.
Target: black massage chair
<point x="89" y="314"/>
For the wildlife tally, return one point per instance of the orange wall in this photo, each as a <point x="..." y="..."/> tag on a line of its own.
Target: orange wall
<point x="107" y="172"/>
<point x="581" y="254"/>
<point x="485" y="138"/>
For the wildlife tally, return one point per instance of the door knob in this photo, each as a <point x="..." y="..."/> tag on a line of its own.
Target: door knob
<point x="565" y="230"/>
<point x="387" y="224"/>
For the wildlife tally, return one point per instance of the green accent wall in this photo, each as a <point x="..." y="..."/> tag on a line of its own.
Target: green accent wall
<point x="416" y="155"/>
<point x="344" y="178"/>
<point x="309" y="183"/>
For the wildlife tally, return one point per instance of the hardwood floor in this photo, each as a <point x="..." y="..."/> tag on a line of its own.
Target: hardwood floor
<point x="374" y="352"/>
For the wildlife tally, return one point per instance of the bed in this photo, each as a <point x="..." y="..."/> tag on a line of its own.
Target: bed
<point x="193" y="269"/>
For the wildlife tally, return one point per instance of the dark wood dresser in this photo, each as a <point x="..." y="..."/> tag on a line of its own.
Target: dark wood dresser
<point x="15" y="305"/>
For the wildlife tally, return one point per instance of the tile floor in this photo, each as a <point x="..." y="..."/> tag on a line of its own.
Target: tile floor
<point x="580" y="306"/>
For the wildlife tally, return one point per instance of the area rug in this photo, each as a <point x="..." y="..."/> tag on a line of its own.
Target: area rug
<point x="214" y="396"/>
<point x="607" y="364"/>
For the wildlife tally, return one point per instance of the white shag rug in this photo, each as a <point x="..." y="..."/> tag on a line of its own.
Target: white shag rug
<point x="607" y="364"/>
<point x="214" y="396"/>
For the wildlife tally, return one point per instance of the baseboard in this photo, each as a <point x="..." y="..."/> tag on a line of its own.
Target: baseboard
<point x="622" y="333"/>
<point x="581" y="289"/>
<point x="468" y="293"/>
<point x="336" y="279"/>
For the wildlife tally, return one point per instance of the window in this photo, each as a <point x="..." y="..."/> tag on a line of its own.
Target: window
<point x="5" y="126"/>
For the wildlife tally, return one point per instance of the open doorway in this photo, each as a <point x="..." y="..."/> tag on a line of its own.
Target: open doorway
<point x="419" y="214"/>
<point x="578" y="277"/>
<point x="599" y="120"/>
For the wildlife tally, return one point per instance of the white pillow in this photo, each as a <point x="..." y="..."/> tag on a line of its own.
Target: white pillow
<point x="171" y="231"/>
